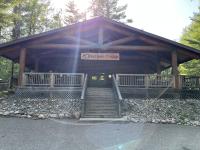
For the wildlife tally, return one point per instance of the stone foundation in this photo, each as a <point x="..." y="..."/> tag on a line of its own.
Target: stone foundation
<point x="40" y="108"/>
<point x="177" y="111"/>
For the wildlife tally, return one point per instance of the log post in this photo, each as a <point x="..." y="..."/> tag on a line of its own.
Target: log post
<point x="12" y="73"/>
<point x="100" y="37"/>
<point x="36" y="65"/>
<point x="51" y="80"/>
<point x="158" y="68"/>
<point x="175" y="69"/>
<point x="22" y="64"/>
<point x="146" y="81"/>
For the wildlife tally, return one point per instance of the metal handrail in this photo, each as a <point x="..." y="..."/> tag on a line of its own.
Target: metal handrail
<point x="117" y="88"/>
<point x="84" y="88"/>
<point x="83" y="95"/>
<point x="118" y="93"/>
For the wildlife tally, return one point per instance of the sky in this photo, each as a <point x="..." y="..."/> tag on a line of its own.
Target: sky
<point x="166" y="18"/>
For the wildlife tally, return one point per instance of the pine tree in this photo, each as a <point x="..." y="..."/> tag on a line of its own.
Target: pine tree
<point x="57" y="20"/>
<point x="19" y="19"/>
<point x="17" y="22"/>
<point x="35" y="16"/>
<point x="72" y="13"/>
<point x="6" y="17"/>
<point x="109" y="9"/>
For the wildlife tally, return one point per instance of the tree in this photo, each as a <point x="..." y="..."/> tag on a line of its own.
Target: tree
<point x="109" y="9"/>
<point x="191" y="37"/>
<point x="5" y="69"/>
<point x="6" y="17"/>
<point x="72" y="13"/>
<point x="35" y="16"/>
<point x="17" y="22"/>
<point x="6" y="21"/>
<point x="23" y="19"/>
<point x="56" y="21"/>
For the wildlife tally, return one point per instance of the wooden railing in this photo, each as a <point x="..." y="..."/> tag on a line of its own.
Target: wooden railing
<point x="53" y="79"/>
<point x="4" y="85"/>
<point x="190" y="82"/>
<point x="145" y="80"/>
<point x="63" y="79"/>
<point x="160" y="80"/>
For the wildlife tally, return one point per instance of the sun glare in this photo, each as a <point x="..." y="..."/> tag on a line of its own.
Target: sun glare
<point x="82" y="4"/>
<point x="144" y="14"/>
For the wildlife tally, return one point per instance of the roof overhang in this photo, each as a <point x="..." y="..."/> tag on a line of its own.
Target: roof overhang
<point x="99" y="35"/>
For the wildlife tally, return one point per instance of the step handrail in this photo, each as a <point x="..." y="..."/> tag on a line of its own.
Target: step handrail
<point x="84" y="88"/>
<point x="118" y="93"/>
<point x="117" y="88"/>
<point x="83" y="93"/>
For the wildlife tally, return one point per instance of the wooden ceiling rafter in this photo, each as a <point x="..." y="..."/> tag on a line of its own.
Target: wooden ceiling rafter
<point x="9" y="49"/>
<point x="70" y="32"/>
<point x="115" y="29"/>
<point x="153" y="42"/>
<point x="120" y="41"/>
<point x="192" y="55"/>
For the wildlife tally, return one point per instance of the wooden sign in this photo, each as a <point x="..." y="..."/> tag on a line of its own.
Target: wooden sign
<point x="100" y="56"/>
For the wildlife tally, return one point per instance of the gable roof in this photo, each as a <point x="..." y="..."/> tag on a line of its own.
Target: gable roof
<point x="102" y="20"/>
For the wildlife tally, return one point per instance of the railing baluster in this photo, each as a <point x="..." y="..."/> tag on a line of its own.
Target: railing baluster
<point x="144" y="80"/>
<point x="134" y="80"/>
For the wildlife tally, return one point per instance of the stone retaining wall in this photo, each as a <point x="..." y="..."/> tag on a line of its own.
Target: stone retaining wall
<point x="163" y="111"/>
<point x="41" y="108"/>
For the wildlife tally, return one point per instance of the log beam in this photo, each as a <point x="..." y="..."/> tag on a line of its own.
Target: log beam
<point x="115" y="29"/>
<point x="9" y="49"/>
<point x="68" y="31"/>
<point x="153" y="42"/>
<point x="60" y="46"/>
<point x="120" y="41"/>
<point x="135" y="48"/>
<point x="82" y="41"/>
<point x="112" y="48"/>
<point x="187" y="53"/>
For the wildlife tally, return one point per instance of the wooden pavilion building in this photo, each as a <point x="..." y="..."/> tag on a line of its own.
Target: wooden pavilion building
<point x="99" y="53"/>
